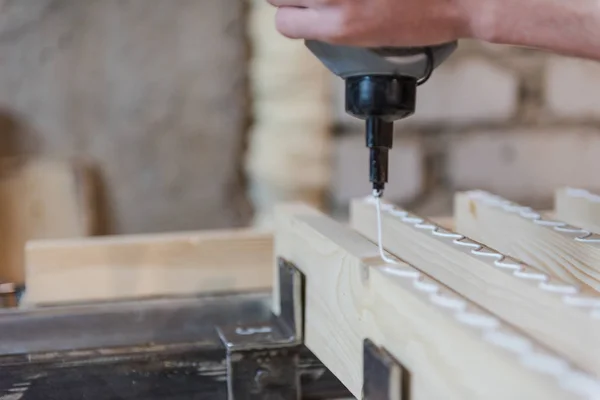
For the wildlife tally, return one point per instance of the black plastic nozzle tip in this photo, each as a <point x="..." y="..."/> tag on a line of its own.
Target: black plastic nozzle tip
<point x="378" y="188"/>
<point x="379" y="141"/>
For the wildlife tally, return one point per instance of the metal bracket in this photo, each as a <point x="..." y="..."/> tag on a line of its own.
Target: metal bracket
<point x="262" y="358"/>
<point x="384" y="378"/>
<point x="8" y="295"/>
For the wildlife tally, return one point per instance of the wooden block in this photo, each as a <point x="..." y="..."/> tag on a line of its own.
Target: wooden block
<point x="526" y="234"/>
<point x="452" y="348"/>
<point x="117" y="267"/>
<point x="40" y="199"/>
<point x="578" y="207"/>
<point x="554" y="312"/>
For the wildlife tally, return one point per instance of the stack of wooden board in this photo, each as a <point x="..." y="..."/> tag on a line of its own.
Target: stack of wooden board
<point x="504" y="307"/>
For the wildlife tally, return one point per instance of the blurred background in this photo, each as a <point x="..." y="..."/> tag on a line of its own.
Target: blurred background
<point x="139" y="116"/>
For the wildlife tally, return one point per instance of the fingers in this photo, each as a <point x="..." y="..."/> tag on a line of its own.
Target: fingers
<point x="303" y="23"/>
<point x="293" y="3"/>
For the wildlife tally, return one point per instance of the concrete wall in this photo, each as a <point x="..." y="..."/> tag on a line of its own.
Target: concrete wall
<point x="153" y="91"/>
<point x="514" y="121"/>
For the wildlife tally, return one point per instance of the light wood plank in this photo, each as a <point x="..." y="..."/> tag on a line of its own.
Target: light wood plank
<point x="41" y="198"/>
<point x="578" y="207"/>
<point x="528" y="235"/>
<point x="451" y="346"/>
<point x="554" y="312"/>
<point x="447" y="222"/>
<point x="116" y="267"/>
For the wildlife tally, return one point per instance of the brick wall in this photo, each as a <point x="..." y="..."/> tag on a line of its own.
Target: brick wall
<point x="514" y="121"/>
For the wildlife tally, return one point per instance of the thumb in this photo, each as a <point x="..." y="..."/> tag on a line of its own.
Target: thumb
<point x="304" y="23"/>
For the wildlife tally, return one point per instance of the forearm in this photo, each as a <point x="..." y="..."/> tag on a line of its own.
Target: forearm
<point x="570" y="27"/>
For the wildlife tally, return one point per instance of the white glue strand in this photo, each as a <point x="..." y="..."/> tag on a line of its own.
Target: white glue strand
<point x="379" y="231"/>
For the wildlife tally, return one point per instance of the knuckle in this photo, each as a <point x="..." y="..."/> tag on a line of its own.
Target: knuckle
<point x="341" y="27"/>
<point x="335" y="37"/>
<point x="284" y="25"/>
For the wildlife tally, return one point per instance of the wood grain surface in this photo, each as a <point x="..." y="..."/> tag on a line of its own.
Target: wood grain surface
<point x="541" y="307"/>
<point x="351" y="295"/>
<point x="512" y="229"/>
<point x="132" y="266"/>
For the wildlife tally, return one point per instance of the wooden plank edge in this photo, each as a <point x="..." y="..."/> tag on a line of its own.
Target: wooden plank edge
<point x="149" y="265"/>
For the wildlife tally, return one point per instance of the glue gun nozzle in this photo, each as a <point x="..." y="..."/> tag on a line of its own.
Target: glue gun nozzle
<point x="379" y="137"/>
<point x="378" y="189"/>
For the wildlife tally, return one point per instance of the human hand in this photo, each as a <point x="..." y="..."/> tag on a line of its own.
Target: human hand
<point x="374" y="23"/>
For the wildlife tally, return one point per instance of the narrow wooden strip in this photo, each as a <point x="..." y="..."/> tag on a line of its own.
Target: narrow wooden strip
<point x="578" y="207"/>
<point x="569" y="252"/>
<point x="116" y="267"/>
<point x="452" y="348"/>
<point x="554" y="312"/>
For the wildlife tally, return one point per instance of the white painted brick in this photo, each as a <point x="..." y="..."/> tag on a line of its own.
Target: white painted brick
<point x="525" y="165"/>
<point x="573" y="87"/>
<point x="351" y="169"/>
<point x="466" y="91"/>
<point x="473" y="90"/>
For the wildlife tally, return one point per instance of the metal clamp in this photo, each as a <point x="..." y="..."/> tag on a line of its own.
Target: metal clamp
<point x="8" y="295"/>
<point x="384" y="378"/>
<point x="262" y="359"/>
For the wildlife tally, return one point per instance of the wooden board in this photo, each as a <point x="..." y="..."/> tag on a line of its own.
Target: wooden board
<point x="41" y="198"/>
<point x="109" y="268"/>
<point x="452" y="348"/>
<point x="526" y="234"/>
<point x="578" y="207"/>
<point x="552" y="311"/>
<point x="447" y="222"/>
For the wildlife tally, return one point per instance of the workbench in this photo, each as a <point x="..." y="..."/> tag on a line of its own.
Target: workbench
<point x="501" y="302"/>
